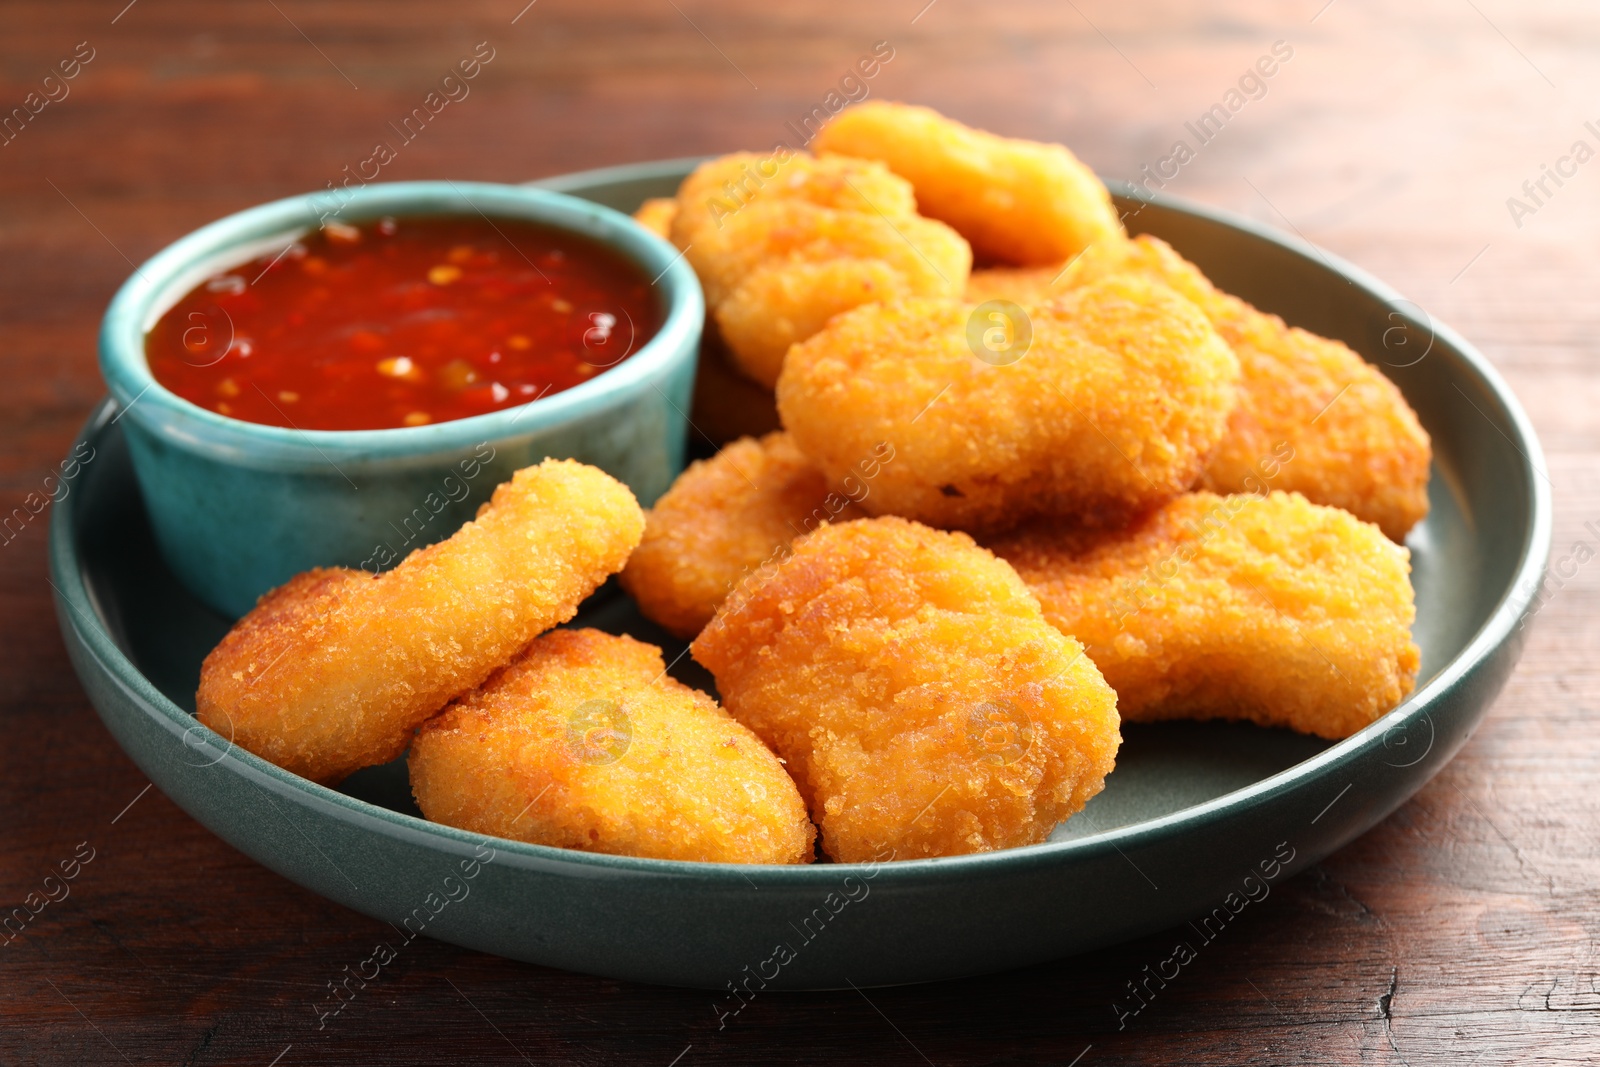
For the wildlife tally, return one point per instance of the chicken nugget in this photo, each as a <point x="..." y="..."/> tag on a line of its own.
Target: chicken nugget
<point x="720" y="522"/>
<point x="1102" y="404"/>
<point x="656" y="215"/>
<point x="923" y="703"/>
<point x="584" y="742"/>
<point x="779" y="270"/>
<point x="712" y="199"/>
<point x="332" y="671"/>
<point x="1265" y="608"/>
<point x="789" y="299"/>
<point x="1015" y="201"/>
<point x="783" y="243"/>
<point x="1354" y="441"/>
<point x="720" y="188"/>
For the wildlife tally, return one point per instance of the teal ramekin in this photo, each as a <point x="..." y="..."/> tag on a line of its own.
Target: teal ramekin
<point x="238" y="507"/>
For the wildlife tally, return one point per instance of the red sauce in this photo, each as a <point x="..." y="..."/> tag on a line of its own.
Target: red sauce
<point x="403" y="323"/>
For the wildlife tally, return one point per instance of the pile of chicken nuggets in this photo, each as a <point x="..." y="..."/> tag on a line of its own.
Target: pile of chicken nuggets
<point x="1027" y="477"/>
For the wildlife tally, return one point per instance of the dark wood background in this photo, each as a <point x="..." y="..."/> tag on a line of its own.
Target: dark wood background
<point x="1462" y="930"/>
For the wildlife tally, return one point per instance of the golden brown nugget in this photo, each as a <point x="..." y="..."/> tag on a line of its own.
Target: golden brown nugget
<point x="656" y="215"/>
<point x="779" y="270"/>
<point x="791" y="298"/>
<point x="783" y="243"/>
<point x="584" y="742"/>
<point x="721" y="521"/>
<point x="1355" y="442"/>
<point x="922" y="701"/>
<point x="1015" y="201"/>
<point x="331" y="672"/>
<point x="720" y="188"/>
<point x="1113" y="408"/>
<point x="1265" y="608"/>
<point x="719" y="191"/>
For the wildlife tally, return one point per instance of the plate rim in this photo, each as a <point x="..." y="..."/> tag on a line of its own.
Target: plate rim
<point x="76" y="607"/>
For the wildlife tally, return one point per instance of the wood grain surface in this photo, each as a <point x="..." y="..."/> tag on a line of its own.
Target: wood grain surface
<point x="1462" y="930"/>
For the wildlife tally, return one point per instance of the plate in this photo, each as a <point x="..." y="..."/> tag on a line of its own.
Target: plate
<point x="1195" y="819"/>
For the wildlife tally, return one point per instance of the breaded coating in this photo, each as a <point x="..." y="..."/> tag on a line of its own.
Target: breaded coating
<point x="720" y="188"/>
<point x="923" y="703"/>
<point x="1113" y="408"/>
<point x="656" y="215"/>
<point x="332" y="671"/>
<point x="1265" y="608"/>
<point x="720" y="522"/>
<point x="1020" y="285"/>
<point x="584" y="742"/>
<point x="1018" y="202"/>
<point x="1356" y="443"/>
<point x="786" y="301"/>
<point x="726" y="404"/>
<point x="779" y="257"/>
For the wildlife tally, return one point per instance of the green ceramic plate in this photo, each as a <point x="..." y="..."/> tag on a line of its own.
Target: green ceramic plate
<point x="1196" y="816"/>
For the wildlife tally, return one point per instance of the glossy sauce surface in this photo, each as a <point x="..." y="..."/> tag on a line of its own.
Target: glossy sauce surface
<point x="403" y="322"/>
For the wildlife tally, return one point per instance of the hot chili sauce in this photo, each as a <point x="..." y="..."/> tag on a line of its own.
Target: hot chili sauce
<point x="403" y="322"/>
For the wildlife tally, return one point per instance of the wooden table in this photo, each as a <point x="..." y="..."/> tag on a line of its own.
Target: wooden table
<point x="1462" y="930"/>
